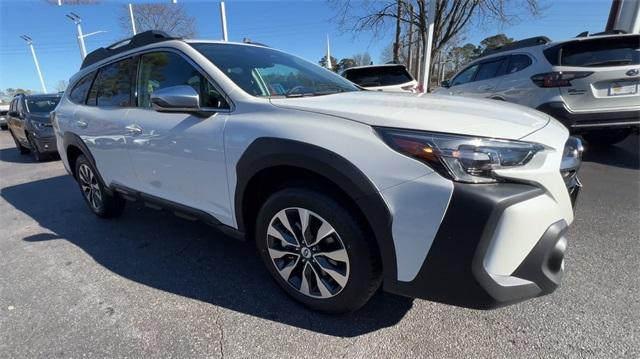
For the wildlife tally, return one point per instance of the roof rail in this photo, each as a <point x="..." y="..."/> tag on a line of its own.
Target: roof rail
<point x="608" y="32"/>
<point x="532" y="41"/>
<point x="141" y="39"/>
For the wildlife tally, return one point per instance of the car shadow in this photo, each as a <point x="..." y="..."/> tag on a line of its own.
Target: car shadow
<point x="624" y="155"/>
<point x="191" y="259"/>
<point x="12" y="155"/>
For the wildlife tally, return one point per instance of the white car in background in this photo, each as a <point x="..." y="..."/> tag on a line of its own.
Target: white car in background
<point x="4" y="109"/>
<point x="387" y="77"/>
<point x="589" y="83"/>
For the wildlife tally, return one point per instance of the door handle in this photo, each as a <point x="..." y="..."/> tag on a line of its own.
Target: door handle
<point x="81" y="124"/>
<point x="485" y="88"/>
<point x="134" y="129"/>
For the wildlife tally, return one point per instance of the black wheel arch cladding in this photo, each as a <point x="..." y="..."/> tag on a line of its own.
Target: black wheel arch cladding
<point x="268" y="152"/>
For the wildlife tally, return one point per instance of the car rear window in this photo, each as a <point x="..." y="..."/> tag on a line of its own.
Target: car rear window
<point x="379" y="76"/>
<point x="41" y="104"/>
<point x="600" y="52"/>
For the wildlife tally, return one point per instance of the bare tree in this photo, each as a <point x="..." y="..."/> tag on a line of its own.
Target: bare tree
<point x="451" y="16"/>
<point x="362" y="59"/>
<point x="170" y="18"/>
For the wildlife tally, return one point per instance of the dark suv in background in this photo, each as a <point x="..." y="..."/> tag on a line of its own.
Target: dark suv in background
<point x="30" y="125"/>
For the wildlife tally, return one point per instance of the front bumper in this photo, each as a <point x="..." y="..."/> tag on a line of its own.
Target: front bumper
<point x="583" y="122"/>
<point x="46" y="144"/>
<point x="457" y="269"/>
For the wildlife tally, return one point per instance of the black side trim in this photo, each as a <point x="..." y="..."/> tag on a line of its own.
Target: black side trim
<point x="269" y="152"/>
<point x="178" y="209"/>
<point x="453" y="273"/>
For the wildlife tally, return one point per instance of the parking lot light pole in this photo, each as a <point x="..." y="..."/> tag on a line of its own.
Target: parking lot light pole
<point x="77" y="20"/>
<point x="223" y="20"/>
<point x="35" y="60"/>
<point x="426" y="62"/>
<point x="133" y="21"/>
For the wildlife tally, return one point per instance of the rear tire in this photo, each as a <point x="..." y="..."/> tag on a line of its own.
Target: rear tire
<point x="341" y="281"/>
<point x="4" y="127"/>
<point x="23" y="150"/>
<point x="100" y="201"/>
<point x="607" y="137"/>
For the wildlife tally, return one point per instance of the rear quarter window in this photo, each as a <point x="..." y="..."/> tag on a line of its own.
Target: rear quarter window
<point x="79" y="92"/>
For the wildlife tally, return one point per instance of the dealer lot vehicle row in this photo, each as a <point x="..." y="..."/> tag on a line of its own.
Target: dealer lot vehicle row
<point x="589" y="83"/>
<point x="342" y="190"/>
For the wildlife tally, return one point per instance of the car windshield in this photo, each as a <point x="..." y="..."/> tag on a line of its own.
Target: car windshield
<point x="42" y="104"/>
<point x="379" y="76"/>
<point x="264" y="72"/>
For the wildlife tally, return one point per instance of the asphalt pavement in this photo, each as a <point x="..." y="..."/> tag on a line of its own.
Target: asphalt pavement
<point x="149" y="284"/>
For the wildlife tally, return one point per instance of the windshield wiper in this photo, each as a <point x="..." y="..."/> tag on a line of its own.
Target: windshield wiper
<point x="309" y="94"/>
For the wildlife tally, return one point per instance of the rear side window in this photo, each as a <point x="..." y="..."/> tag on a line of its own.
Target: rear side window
<point x="599" y="52"/>
<point x="79" y="92"/>
<point x="112" y="87"/>
<point x="159" y="70"/>
<point x="518" y="63"/>
<point x="379" y="76"/>
<point x="465" y="76"/>
<point x="489" y="70"/>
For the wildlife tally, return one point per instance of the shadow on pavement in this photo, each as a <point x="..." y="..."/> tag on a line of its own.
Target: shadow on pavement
<point x="186" y="258"/>
<point x="623" y="155"/>
<point x="13" y="155"/>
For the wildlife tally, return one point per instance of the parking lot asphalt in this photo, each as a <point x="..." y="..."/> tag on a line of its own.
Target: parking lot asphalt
<point x="150" y="284"/>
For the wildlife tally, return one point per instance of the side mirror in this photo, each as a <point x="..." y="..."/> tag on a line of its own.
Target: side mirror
<point x="181" y="98"/>
<point x="445" y="84"/>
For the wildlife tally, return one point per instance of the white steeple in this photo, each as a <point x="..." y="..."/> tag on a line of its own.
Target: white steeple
<point x="328" y="62"/>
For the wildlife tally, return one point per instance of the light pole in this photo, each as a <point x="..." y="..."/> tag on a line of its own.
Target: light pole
<point x="77" y="20"/>
<point x="426" y="62"/>
<point x="223" y="20"/>
<point x="133" y="21"/>
<point x="35" y="60"/>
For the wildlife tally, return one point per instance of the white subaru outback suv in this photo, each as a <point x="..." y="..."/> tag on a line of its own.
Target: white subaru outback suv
<point x="459" y="201"/>
<point x="589" y="83"/>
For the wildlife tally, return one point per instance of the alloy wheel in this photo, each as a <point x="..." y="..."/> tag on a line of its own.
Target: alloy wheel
<point x="308" y="253"/>
<point x="90" y="187"/>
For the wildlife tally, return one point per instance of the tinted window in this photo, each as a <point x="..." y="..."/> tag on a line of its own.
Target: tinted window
<point x="465" y="76"/>
<point x="41" y="104"/>
<point x="489" y="70"/>
<point x="159" y="70"/>
<point x="243" y="65"/>
<point x="113" y="85"/>
<point x="608" y="51"/>
<point x="379" y="76"/>
<point x="79" y="92"/>
<point x="518" y="63"/>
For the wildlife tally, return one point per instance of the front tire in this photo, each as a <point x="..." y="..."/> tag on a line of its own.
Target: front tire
<point x="317" y="250"/>
<point x="606" y="137"/>
<point x="23" y="150"/>
<point x="37" y="155"/>
<point x="101" y="202"/>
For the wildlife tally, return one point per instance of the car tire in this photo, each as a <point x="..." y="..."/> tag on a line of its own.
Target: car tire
<point x="103" y="203"/>
<point x="37" y="155"/>
<point x="4" y="127"/>
<point x="23" y="150"/>
<point x="607" y="137"/>
<point x="341" y="281"/>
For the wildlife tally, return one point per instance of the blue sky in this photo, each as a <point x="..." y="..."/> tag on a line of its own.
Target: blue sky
<point x="299" y="27"/>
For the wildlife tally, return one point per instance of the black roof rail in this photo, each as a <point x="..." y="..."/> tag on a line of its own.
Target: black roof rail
<point x="532" y="41"/>
<point x="141" y="39"/>
<point x="608" y="32"/>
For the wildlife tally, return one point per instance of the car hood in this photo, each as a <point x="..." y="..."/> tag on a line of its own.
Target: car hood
<point x="449" y="114"/>
<point x="39" y="117"/>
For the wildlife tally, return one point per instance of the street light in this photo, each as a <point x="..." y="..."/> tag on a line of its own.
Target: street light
<point x="35" y="60"/>
<point x="77" y="20"/>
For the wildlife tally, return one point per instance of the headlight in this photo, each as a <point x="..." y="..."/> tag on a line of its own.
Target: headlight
<point x="461" y="158"/>
<point x="40" y="125"/>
